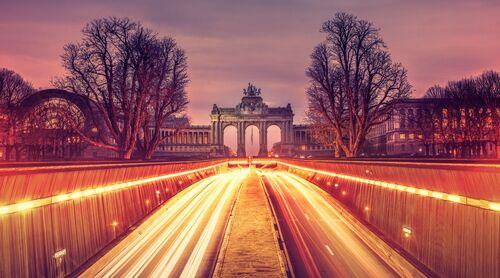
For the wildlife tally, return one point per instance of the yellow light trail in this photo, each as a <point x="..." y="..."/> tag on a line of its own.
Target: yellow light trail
<point x="192" y="197"/>
<point x="323" y="212"/>
<point x="17" y="207"/>
<point x="161" y="247"/>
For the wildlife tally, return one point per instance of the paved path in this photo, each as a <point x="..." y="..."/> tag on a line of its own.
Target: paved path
<point x="252" y="248"/>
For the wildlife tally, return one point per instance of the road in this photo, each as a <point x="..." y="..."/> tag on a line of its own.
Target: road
<point x="183" y="240"/>
<point x="319" y="243"/>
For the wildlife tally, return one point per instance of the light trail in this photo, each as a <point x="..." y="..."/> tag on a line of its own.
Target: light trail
<point x="318" y="241"/>
<point x="194" y="261"/>
<point x="99" y="189"/>
<point x="181" y="239"/>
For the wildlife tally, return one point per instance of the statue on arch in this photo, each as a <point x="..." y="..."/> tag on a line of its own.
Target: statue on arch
<point x="251" y="91"/>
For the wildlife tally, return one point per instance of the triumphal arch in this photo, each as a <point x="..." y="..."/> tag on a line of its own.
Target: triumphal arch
<point x="252" y="110"/>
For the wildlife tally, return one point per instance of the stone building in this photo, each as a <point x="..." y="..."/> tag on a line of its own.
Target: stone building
<point x="426" y="127"/>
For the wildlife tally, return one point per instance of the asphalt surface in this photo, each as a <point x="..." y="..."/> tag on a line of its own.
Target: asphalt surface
<point x="183" y="240"/>
<point x="319" y="243"/>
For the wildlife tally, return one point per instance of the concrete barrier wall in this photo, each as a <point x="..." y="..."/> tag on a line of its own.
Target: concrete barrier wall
<point x="449" y="238"/>
<point x="80" y="224"/>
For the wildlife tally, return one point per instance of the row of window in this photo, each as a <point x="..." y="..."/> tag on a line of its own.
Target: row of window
<point x="182" y="148"/>
<point x="402" y="136"/>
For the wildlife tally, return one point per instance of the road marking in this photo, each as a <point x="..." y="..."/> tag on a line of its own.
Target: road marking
<point x="329" y="250"/>
<point x="307" y="216"/>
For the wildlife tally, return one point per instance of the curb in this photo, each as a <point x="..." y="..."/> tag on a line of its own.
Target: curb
<point x="217" y="271"/>
<point x="286" y="265"/>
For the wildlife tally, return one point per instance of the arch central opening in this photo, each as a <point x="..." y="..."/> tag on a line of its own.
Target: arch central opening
<point x="230" y="140"/>
<point x="252" y="140"/>
<point x="274" y="140"/>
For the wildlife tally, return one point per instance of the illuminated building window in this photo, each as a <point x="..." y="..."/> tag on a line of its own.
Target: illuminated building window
<point x="402" y="136"/>
<point x="411" y="136"/>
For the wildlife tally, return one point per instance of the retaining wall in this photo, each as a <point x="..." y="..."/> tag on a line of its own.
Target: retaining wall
<point x="55" y="218"/>
<point x="444" y="216"/>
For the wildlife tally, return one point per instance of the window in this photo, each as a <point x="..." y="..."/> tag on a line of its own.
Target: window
<point x="411" y="136"/>
<point x="402" y="136"/>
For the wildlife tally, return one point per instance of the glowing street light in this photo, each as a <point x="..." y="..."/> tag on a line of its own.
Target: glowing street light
<point x="406" y="231"/>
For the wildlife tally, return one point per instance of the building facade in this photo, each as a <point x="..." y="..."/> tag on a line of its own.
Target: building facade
<point x="429" y="127"/>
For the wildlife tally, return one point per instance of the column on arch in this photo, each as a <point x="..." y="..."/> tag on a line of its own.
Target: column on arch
<point x="284" y="133"/>
<point x="240" y="138"/>
<point x="263" y="138"/>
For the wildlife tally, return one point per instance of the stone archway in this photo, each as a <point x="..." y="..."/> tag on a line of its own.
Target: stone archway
<point x="251" y="111"/>
<point x="48" y="121"/>
<point x="81" y="102"/>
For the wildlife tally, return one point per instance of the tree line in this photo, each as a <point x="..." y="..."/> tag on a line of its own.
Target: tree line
<point x="134" y="79"/>
<point x="354" y="86"/>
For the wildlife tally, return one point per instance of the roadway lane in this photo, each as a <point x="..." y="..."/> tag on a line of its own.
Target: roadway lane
<point x="319" y="243"/>
<point x="183" y="240"/>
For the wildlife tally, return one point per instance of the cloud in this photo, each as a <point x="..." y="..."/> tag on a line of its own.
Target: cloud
<point x="230" y="43"/>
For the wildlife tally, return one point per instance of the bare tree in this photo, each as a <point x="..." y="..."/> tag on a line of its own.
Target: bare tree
<point x="353" y="82"/>
<point x="167" y="97"/>
<point x="114" y="65"/>
<point x="13" y="90"/>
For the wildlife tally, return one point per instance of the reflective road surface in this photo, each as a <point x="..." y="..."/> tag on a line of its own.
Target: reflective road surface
<point x="319" y="243"/>
<point x="184" y="239"/>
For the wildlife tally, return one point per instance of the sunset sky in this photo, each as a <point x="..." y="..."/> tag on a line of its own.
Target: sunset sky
<point x="267" y="42"/>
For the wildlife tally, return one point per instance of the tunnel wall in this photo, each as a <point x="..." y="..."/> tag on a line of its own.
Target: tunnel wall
<point x="83" y="226"/>
<point x="450" y="239"/>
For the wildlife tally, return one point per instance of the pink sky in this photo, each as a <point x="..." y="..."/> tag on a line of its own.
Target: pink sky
<point x="231" y="43"/>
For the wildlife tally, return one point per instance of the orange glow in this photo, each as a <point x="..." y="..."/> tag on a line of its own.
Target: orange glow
<point x="328" y="183"/>
<point x="409" y="189"/>
<point x="495" y="206"/>
<point x="367" y="208"/>
<point x="24" y="206"/>
<point x="437" y="195"/>
<point x="115" y="224"/>
<point x="157" y="192"/>
<point x="454" y="198"/>
<point x="147" y="202"/>
<point x="423" y="192"/>
<point x="407" y="232"/>
<point x="344" y="193"/>
<point x="336" y="185"/>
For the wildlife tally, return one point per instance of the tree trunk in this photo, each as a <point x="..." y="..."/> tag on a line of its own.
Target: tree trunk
<point x="148" y="155"/>
<point x="127" y="154"/>
<point x="337" y="151"/>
